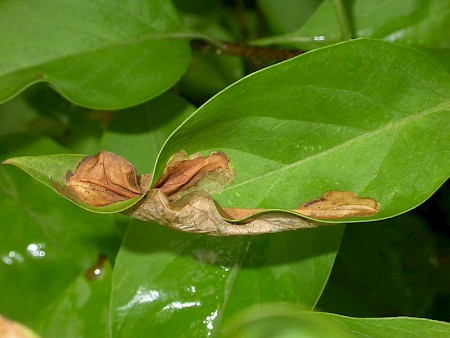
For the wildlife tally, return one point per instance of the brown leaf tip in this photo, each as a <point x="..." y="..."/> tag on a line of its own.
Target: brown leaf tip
<point x="103" y="179"/>
<point x="184" y="174"/>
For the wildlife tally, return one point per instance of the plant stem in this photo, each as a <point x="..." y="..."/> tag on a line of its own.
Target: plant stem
<point x="253" y="53"/>
<point x="344" y="23"/>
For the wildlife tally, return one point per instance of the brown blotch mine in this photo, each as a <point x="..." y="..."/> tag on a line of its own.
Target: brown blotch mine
<point x="103" y="179"/>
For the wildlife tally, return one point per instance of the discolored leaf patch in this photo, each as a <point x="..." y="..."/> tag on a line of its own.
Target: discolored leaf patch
<point x="197" y="212"/>
<point x="183" y="173"/>
<point x="181" y="198"/>
<point x="173" y="203"/>
<point x="103" y="179"/>
<point x="331" y="205"/>
<point x="12" y="329"/>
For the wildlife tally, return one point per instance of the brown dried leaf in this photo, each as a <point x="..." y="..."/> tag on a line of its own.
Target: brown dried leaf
<point x="197" y="212"/>
<point x="103" y="179"/>
<point x="183" y="173"/>
<point x="331" y="205"/>
<point x="339" y="204"/>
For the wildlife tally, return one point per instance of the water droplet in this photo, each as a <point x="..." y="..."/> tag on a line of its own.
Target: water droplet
<point x="181" y="305"/>
<point x="96" y="271"/>
<point x="12" y="257"/>
<point x="209" y="321"/>
<point x="36" y="250"/>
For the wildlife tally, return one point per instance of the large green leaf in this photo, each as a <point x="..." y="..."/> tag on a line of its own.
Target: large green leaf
<point x="190" y="285"/>
<point x="364" y="116"/>
<point x="103" y="54"/>
<point x="281" y="321"/>
<point x="47" y="244"/>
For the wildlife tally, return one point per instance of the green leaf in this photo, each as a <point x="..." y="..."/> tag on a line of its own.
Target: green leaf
<point x="104" y="54"/>
<point x="195" y="283"/>
<point x="287" y="16"/>
<point x="52" y="170"/>
<point x="419" y="23"/>
<point x="282" y="321"/>
<point x="63" y="315"/>
<point x="305" y="126"/>
<point x="47" y="244"/>
<point x="209" y="73"/>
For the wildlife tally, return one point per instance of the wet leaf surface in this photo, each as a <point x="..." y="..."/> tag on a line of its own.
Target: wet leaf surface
<point x="191" y="285"/>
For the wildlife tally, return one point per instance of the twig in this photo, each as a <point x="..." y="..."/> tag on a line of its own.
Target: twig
<point x="253" y="53"/>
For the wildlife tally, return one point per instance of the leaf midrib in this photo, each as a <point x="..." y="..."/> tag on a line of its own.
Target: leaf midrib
<point x="438" y="108"/>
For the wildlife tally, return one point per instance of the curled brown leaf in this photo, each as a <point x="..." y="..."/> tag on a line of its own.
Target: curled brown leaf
<point x="103" y="179"/>
<point x="183" y="173"/>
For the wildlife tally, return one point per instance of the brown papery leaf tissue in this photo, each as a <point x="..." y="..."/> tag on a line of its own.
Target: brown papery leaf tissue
<point x="181" y="197"/>
<point x="103" y="179"/>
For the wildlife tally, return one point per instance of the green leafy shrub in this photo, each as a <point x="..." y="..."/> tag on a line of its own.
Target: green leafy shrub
<point x="365" y="109"/>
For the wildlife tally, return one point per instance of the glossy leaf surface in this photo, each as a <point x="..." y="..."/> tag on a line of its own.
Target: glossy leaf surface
<point x="305" y="126"/>
<point x="104" y="54"/>
<point x="190" y="285"/>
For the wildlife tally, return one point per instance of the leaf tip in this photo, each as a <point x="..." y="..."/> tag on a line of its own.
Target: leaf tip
<point x="8" y="161"/>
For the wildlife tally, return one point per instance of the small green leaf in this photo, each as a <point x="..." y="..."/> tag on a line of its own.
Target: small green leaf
<point x="377" y="125"/>
<point x="104" y="54"/>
